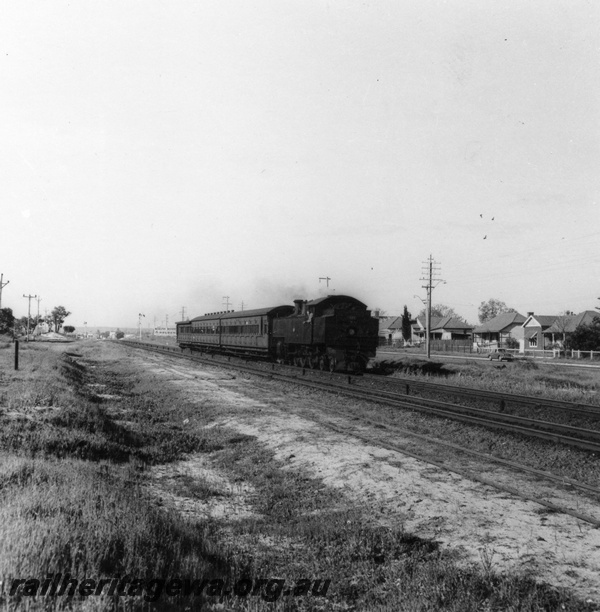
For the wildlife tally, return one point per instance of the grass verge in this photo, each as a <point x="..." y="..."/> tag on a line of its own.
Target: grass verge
<point x="81" y="434"/>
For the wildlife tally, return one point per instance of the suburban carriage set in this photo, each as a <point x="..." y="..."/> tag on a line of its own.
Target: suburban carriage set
<point x="330" y="333"/>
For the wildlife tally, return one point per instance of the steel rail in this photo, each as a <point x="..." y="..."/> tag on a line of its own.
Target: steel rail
<point x="397" y="448"/>
<point x="498" y="416"/>
<point x="447" y="410"/>
<point x="473" y="476"/>
<point x="361" y="393"/>
<point x="524" y="400"/>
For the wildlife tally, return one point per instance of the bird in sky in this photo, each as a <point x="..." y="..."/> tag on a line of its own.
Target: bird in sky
<point x="485" y="237"/>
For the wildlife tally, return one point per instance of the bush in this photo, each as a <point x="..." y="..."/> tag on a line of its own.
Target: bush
<point x="512" y="343"/>
<point x="585" y="337"/>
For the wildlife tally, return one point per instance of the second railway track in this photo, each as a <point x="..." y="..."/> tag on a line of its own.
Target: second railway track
<point x="335" y="384"/>
<point x="576" y="437"/>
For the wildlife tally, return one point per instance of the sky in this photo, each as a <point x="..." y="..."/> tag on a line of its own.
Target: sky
<point x="178" y="158"/>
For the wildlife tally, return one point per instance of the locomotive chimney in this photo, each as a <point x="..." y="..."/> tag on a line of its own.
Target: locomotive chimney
<point x="297" y="306"/>
<point x="304" y="308"/>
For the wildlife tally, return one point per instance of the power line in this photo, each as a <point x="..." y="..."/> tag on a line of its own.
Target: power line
<point x="29" y="298"/>
<point x="430" y="271"/>
<point x="2" y="285"/>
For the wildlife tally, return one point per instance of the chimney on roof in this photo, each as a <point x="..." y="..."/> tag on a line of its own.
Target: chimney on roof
<point x="376" y="314"/>
<point x="530" y="314"/>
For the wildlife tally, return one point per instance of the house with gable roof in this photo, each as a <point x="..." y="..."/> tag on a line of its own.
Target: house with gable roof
<point x="386" y="330"/>
<point x="564" y="325"/>
<point x="498" y="330"/>
<point x="442" y="328"/>
<point x="534" y="328"/>
<point x="390" y="330"/>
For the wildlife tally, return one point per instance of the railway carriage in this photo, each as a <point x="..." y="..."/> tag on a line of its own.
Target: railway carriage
<point x="246" y="331"/>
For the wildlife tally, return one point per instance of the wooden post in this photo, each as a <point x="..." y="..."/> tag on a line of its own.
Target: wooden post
<point x="16" y="354"/>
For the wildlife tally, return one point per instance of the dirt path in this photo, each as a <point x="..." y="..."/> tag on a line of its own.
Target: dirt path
<point x="498" y="531"/>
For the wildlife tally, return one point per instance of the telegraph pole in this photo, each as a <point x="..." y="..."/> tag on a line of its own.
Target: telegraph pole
<point x="429" y="276"/>
<point x="226" y="302"/>
<point x="326" y="279"/>
<point x="29" y="297"/>
<point x="183" y="313"/>
<point x="39" y="299"/>
<point x="1" y="286"/>
<point x="140" y="315"/>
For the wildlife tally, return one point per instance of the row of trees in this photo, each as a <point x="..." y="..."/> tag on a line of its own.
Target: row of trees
<point x="55" y="321"/>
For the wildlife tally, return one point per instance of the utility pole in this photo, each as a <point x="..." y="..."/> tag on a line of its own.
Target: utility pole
<point x="140" y="315"/>
<point x="29" y="297"/>
<point x="326" y="279"/>
<point x="226" y="302"/>
<point x="183" y="313"/>
<point x="429" y="276"/>
<point x="1" y="287"/>
<point x="39" y="299"/>
<point x="242" y="305"/>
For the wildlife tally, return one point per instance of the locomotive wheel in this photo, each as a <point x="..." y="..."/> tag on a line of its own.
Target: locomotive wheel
<point x="323" y="363"/>
<point x="310" y="362"/>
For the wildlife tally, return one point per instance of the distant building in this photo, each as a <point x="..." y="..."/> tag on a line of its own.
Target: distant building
<point x="534" y="330"/>
<point x="498" y="330"/>
<point x="41" y="328"/>
<point x="165" y="331"/>
<point x="442" y="328"/>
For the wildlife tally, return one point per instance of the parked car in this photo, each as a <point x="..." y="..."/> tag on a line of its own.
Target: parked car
<point x="500" y="355"/>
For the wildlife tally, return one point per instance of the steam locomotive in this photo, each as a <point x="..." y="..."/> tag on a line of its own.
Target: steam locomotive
<point x="336" y="332"/>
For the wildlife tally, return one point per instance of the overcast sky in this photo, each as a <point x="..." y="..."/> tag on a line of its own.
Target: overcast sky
<point x="158" y="155"/>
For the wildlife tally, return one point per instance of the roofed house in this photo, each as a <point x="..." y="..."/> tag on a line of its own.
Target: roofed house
<point x="499" y="329"/>
<point x="385" y="332"/>
<point x="390" y="328"/>
<point x="564" y="325"/>
<point x="533" y="332"/>
<point x="442" y="328"/>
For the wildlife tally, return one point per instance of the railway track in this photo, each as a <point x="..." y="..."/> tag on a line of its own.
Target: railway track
<point x="576" y="437"/>
<point x="347" y="385"/>
<point x="502" y="399"/>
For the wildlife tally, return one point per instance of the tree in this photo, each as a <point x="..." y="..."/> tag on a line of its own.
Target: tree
<point x="7" y="320"/>
<point x="406" y="326"/>
<point x="59" y="314"/>
<point x="440" y="310"/>
<point x="585" y="337"/>
<point x="119" y="334"/>
<point x="492" y="308"/>
<point x="69" y="329"/>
